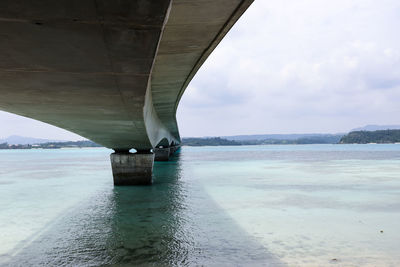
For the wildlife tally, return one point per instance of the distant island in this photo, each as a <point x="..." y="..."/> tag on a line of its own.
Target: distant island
<point x="287" y="137"/>
<point x="366" y="137"/>
<point x="210" y="141"/>
<point x="23" y="140"/>
<point x="51" y="145"/>
<point x="354" y="137"/>
<point x="297" y="139"/>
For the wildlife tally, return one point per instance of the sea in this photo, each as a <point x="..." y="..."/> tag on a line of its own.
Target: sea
<point x="273" y="205"/>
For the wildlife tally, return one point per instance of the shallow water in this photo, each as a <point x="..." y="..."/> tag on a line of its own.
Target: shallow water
<point x="302" y="205"/>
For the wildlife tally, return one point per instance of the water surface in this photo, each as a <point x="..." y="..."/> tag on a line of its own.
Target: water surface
<point x="292" y="205"/>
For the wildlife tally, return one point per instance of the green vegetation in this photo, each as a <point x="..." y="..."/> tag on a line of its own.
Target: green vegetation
<point x="364" y="137"/>
<point x="217" y="141"/>
<point x="71" y="144"/>
<point x="356" y="137"/>
<point x="212" y="141"/>
<point x="7" y="146"/>
<point x="52" y="145"/>
<point x="328" y="139"/>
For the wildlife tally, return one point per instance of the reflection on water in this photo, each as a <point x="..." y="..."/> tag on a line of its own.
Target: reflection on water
<point x="165" y="224"/>
<point x="255" y="206"/>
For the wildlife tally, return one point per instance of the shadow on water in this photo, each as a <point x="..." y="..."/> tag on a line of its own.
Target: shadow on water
<point x="171" y="223"/>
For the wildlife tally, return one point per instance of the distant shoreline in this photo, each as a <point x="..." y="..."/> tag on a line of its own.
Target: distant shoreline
<point x="354" y="137"/>
<point x="77" y="148"/>
<point x="372" y="137"/>
<point x="51" y="145"/>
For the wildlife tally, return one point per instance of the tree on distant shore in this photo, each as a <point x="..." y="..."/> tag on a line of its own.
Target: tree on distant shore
<point x="365" y="137"/>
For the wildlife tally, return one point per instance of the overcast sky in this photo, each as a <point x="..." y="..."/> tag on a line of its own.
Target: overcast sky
<point x="288" y="66"/>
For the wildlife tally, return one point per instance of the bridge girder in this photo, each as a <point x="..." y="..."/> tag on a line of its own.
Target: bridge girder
<point x="110" y="71"/>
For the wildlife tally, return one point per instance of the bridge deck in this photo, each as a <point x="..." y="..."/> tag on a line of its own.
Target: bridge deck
<point x="111" y="71"/>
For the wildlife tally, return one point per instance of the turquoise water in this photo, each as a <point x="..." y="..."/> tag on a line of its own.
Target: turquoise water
<point x="303" y="205"/>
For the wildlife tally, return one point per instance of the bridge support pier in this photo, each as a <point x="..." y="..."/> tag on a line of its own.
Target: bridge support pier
<point x="132" y="168"/>
<point x="161" y="154"/>
<point x="164" y="153"/>
<point x="173" y="149"/>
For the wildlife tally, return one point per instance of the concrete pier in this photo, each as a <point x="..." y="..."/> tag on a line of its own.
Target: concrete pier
<point x="132" y="168"/>
<point x="173" y="149"/>
<point x="161" y="154"/>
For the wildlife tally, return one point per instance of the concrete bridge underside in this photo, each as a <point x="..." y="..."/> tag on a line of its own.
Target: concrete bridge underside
<point x="112" y="71"/>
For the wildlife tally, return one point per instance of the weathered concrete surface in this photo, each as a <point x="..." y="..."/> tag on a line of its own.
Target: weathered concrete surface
<point x="161" y="154"/>
<point x="192" y="32"/>
<point x="111" y="71"/>
<point x="132" y="168"/>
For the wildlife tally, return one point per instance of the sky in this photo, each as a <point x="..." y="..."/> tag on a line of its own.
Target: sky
<point x="288" y="66"/>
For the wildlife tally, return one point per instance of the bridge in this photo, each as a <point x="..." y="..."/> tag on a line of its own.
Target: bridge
<point x="112" y="71"/>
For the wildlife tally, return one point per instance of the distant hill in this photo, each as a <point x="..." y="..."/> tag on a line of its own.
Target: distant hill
<point x="251" y="140"/>
<point x="365" y="137"/>
<point x="21" y="140"/>
<point x="376" y="128"/>
<point x="210" y="141"/>
<point x="259" y="137"/>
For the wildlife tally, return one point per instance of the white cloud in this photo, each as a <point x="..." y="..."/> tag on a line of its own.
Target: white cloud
<point x="299" y="66"/>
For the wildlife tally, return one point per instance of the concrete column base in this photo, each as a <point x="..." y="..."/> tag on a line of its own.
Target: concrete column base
<point x="132" y="168"/>
<point x="161" y="154"/>
<point x="173" y="149"/>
